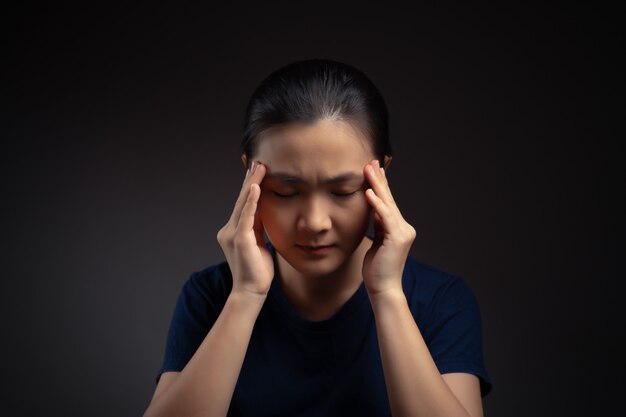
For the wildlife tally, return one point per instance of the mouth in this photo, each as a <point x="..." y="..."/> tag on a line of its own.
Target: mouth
<point x="316" y="250"/>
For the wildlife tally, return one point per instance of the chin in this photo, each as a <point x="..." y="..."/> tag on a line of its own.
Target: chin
<point x="314" y="267"/>
<point x="315" y="271"/>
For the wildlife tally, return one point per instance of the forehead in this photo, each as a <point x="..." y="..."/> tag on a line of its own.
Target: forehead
<point x="325" y="147"/>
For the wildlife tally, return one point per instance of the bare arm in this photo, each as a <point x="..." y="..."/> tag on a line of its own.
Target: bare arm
<point x="205" y="386"/>
<point x="414" y="384"/>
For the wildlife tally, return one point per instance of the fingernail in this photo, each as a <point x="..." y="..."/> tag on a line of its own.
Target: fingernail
<point x="255" y="164"/>
<point x="377" y="163"/>
<point x="247" y="172"/>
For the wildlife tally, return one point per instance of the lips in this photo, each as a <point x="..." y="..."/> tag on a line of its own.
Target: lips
<point x="315" y="250"/>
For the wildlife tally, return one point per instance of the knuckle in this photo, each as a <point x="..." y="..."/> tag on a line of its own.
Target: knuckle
<point x="223" y="235"/>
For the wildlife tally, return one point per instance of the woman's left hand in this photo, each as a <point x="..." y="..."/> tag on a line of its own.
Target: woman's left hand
<point x="384" y="261"/>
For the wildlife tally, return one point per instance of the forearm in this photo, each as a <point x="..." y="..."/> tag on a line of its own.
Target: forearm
<point x="206" y="384"/>
<point x="414" y="385"/>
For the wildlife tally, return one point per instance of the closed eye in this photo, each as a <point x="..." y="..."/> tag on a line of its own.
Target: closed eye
<point x="340" y="195"/>
<point x="284" y="195"/>
<point x="344" y="195"/>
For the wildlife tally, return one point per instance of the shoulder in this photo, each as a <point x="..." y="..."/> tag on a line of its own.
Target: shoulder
<point x="432" y="291"/>
<point x="448" y="316"/>
<point x="199" y="303"/>
<point x="213" y="276"/>
<point x="209" y="285"/>
<point x="428" y="280"/>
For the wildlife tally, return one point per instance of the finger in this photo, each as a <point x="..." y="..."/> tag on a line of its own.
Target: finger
<point x="383" y="211"/>
<point x="247" y="218"/>
<point x="378" y="180"/>
<point x="253" y="176"/>
<point x="258" y="229"/>
<point x="379" y="229"/>
<point x="241" y="198"/>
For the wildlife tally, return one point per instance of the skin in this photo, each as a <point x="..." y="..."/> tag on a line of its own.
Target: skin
<point x="315" y="213"/>
<point x="298" y="206"/>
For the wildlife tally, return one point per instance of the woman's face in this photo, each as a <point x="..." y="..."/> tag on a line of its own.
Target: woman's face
<point x="313" y="193"/>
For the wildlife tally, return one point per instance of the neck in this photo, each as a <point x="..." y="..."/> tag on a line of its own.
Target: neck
<point x="320" y="297"/>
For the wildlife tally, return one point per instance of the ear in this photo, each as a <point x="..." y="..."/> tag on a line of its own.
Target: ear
<point x="388" y="159"/>
<point x="244" y="159"/>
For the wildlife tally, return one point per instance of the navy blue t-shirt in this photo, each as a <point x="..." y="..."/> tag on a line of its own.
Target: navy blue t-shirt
<point x="297" y="367"/>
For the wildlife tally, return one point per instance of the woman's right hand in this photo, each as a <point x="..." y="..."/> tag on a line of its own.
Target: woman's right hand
<point x="242" y="240"/>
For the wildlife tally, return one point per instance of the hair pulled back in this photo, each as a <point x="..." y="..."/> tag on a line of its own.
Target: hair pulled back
<point x="317" y="89"/>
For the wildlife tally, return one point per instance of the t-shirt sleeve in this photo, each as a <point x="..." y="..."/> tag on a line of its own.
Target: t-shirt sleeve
<point x="199" y="304"/>
<point x="453" y="332"/>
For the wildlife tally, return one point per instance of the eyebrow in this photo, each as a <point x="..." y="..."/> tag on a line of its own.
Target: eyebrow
<point x="294" y="179"/>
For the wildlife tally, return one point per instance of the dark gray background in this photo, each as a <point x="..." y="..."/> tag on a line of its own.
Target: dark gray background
<point x="120" y="133"/>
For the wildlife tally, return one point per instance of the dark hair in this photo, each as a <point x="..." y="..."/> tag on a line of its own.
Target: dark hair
<point x="311" y="90"/>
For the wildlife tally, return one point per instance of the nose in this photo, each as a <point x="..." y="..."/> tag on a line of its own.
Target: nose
<point x="314" y="216"/>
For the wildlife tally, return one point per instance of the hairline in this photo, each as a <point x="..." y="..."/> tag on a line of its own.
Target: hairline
<point x="354" y="122"/>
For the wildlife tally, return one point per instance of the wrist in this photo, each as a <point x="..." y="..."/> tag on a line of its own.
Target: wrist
<point x="246" y="298"/>
<point x="385" y="298"/>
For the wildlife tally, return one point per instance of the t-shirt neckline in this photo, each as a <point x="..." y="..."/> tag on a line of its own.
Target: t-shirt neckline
<point x="280" y="300"/>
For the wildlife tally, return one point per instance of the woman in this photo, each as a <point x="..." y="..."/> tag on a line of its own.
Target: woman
<point x="322" y="319"/>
